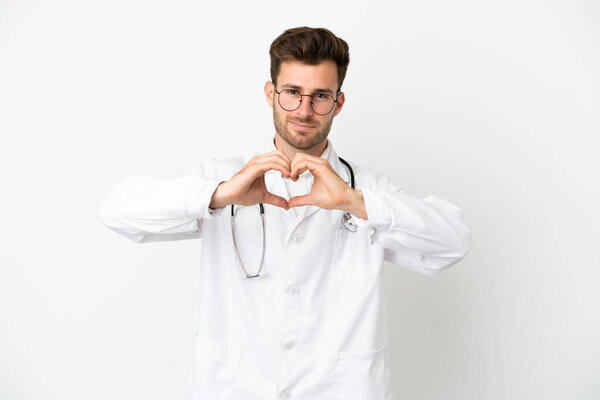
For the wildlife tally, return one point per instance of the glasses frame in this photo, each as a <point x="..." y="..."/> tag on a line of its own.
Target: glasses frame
<point x="311" y="100"/>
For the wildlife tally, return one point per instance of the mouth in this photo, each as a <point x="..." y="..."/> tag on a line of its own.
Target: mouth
<point x="301" y="126"/>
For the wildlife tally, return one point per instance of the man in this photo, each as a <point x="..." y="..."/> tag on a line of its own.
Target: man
<point x="294" y="311"/>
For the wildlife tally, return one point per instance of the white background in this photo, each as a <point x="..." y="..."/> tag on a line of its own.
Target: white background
<point x="492" y="105"/>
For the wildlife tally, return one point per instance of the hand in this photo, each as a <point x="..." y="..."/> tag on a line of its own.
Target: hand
<point x="328" y="190"/>
<point x="247" y="187"/>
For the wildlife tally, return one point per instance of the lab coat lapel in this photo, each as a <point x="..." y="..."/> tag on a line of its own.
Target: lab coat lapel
<point x="303" y="212"/>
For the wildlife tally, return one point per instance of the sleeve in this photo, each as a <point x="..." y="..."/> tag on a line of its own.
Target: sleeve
<point x="150" y="209"/>
<point x="424" y="235"/>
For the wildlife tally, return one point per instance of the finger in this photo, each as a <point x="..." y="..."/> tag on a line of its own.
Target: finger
<point x="274" y="158"/>
<point x="303" y="159"/>
<point x="255" y="170"/>
<point x="283" y="161"/>
<point x="313" y="166"/>
<point x="275" y="200"/>
<point x="283" y="155"/>
<point x="304" y="156"/>
<point x="298" y="201"/>
<point x="277" y="153"/>
<point x="261" y="168"/>
<point x="277" y="160"/>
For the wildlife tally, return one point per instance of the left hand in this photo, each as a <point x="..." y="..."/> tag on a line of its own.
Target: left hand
<point x="328" y="190"/>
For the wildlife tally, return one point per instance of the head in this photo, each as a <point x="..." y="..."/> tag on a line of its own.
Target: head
<point x="308" y="61"/>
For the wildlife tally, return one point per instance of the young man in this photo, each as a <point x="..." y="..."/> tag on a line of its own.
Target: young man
<point x="292" y="302"/>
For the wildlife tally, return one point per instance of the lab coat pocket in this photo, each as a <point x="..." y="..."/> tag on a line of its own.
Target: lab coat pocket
<point x="363" y="376"/>
<point x="215" y="369"/>
<point x="356" y="260"/>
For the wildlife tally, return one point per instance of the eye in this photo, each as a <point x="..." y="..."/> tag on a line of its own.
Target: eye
<point x="320" y="96"/>
<point x="291" y="91"/>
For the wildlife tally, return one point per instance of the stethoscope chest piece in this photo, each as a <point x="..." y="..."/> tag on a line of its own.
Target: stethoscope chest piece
<point x="349" y="222"/>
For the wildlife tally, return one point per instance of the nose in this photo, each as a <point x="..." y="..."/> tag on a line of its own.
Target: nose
<point x="305" y="108"/>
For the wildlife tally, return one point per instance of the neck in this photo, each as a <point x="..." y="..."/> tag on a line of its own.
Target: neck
<point x="291" y="151"/>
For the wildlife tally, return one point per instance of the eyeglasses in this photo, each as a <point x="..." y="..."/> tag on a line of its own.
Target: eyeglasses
<point x="321" y="103"/>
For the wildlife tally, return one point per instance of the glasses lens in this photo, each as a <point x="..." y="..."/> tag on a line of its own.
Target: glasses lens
<point x="322" y="103"/>
<point x="289" y="99"/>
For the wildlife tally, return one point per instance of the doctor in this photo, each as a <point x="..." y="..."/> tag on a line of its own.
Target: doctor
<point x="294" y="310"/>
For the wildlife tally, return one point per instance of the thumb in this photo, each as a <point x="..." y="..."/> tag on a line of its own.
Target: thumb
<point x="276" y="201"/>
<point x="300" y="201"/>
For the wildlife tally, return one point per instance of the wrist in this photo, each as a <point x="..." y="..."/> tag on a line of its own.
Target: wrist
<point x="356" y="204"/>
<point x="219" y="198"/>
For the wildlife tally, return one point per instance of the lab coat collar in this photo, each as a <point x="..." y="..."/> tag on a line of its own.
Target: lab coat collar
<point x="275" y="184"/>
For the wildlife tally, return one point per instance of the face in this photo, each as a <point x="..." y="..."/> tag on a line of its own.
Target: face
<point x="302" y="128"/>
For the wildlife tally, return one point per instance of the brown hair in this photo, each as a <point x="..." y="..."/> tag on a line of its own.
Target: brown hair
<point x="310" y="46"/>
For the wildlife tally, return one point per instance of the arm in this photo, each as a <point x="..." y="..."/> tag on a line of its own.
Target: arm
<point x="425" y="235"/>
<point x="149" y="209"/>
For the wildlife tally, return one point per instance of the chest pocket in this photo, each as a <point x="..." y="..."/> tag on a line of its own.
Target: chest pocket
<point x="356" y="260"/>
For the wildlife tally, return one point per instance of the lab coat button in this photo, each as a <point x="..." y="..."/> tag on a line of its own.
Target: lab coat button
<point x="289" y="345"/>
<point x="293" y="290"/>
<point x="298" y="239"/>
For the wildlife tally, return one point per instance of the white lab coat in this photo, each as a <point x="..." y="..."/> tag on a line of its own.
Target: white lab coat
<point x="314" y="327"/>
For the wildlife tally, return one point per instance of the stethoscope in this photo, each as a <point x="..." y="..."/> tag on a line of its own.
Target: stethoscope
<point x="346" y="219"/>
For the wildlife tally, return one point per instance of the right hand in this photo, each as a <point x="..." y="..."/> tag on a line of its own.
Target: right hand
<point x="247" y="187"/>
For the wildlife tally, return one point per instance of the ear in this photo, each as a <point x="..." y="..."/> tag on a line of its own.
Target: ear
<point x="269" y="90"/>
<point x="339" y="104"/>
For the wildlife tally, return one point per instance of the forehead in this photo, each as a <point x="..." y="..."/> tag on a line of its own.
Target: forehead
<point x="308" y="77"/>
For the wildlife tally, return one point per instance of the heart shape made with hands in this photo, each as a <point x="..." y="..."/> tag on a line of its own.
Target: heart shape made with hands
<point x="328" y="190"/>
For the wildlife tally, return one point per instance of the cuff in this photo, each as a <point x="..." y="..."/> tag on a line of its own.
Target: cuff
<point x="376" y="208"/>
<point x="216" y="212"/>
<point x="199" y="200"/>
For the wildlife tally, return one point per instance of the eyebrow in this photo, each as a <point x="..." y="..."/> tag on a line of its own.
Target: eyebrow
<point x="299" y="88"/>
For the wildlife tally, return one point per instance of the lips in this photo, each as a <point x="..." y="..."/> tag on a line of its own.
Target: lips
<point x="302" y="125"/>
